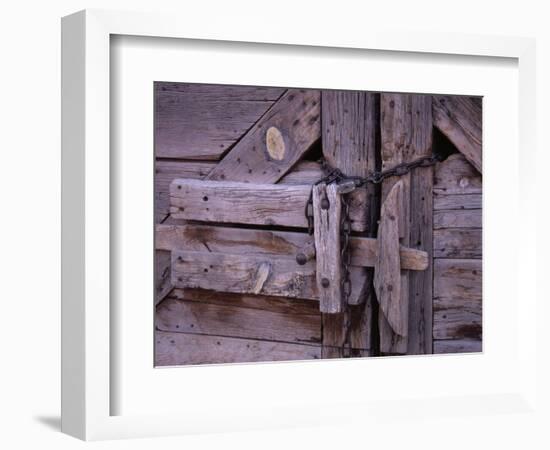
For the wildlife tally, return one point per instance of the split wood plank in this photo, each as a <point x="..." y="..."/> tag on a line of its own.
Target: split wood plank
<point x="459" y="118"/>
<point x="394" y="303"/>
<point x="349" y="123"/>
<point x="200" y="121"/>
<point x="327" y="210"/>
<point x="276" y="142"/>
<point x="175" y="349"/>
<point x="246" y="203"/>
<point x="240" y="274"/>
<point x="457" y="218"/>
<point x="406" y="134"/>
<point x="233" y="319"/>
<point x="163" y="284"/>
<point x="457" y="201"/>
<point x="192" y="237"/>
<point x="457" y="346"/>
<point x="456" y="175"/>
<point x="462" y="243"/>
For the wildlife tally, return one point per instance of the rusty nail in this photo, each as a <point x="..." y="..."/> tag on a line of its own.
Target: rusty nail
<point x="325" y="282"/>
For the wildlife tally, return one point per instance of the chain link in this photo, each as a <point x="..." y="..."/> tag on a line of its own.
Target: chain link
<point x="333" y="175"/>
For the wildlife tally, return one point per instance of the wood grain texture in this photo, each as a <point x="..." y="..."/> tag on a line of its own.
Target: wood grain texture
<point x="457" y="319"/>
<point x="199" y="121"/>
<point x="457" y="280"/>
<point x="459" y="118"/>
<point x="276" y="142"/>
<point x="456" y="175"/>
<point x="387" y="274"/>
<point x="166" y="171"/>
<point x="175" y="349"/>
<point x="406" y="134"/>
<point x="163" y="283"/>
<point x="444" y="201"/>
<point x="457" y="346"/>
<point x="237" y="320"/>
<point x="328" y="255"/>
<point x="467" y="218"/>
<point x="349" y="123"/>
<point x="192" y="237"/>
<point x="247" y="203"/>
<point x="304" y="172"/>
<point x="458" y="243"/>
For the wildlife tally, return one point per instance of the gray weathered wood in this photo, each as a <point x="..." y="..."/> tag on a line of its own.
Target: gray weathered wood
<point x="348" y="126"/>
<point x="198" y="121"/>
<point x="456" y="175"/>
<point x="248" y="203"/>
<point x="327" y="247"/>
<point x="192" y="237"/>
<point x="304" y="172"/>
<point x="406" y="134"/>
<point x="457" y="346"/>
<point x="163" y="284"/>
<point x="166" y="171"/>
<point x="276" y="142"/>
<point x="457" y="280"/>
<point x="387" y="274"/>
<point x="457" y="201"/>
<point x="459" y="118"/>
<point x="467" y="218"/>
<point x="235" y="319"/>
<point x="457" y="319"/>
<point x="175" y="349"/>
<point x="458" y="243"/>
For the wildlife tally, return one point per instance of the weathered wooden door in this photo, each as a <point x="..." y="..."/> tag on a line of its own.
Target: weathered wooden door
<point x="242" y="228"/>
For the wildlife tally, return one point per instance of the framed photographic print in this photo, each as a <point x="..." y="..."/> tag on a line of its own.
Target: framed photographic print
<point x="261" y="245"/>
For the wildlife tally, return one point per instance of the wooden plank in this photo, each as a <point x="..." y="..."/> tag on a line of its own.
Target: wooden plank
<point x="459" y="118"/>
<point x="456" y="175"/>
<point x="387" y="274"/>
<point x="457" y="280"/>
<point x="349" y="123"/>
<point x="406" y="134"/>
<point x="240" y="273"/>
<point x="163" y="284"/>
<point x="175" y="349"/>
<point x="458" y="243"/>
<point x="327" y="209"/>
<point x="457" y="201"/>
<point x="304" y="172"/>
<point x="457" y="346"/>
<point x="457" y="319"/>
<point x="166" y="171"/>
<point x="468" y="218"/>
<point x="235" y="320"/>
<point x="192" y="237"/>
<point x="247" y="203"/>
<point x="199" y="121"/>
<point x="276" y="142"/>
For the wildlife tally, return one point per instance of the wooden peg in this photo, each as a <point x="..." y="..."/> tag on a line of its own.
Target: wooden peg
<point x="307" y="253"/>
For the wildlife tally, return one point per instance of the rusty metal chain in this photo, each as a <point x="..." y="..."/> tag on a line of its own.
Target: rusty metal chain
<point x="333" y="175"/>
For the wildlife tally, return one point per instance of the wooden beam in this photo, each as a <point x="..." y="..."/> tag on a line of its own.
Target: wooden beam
<point x="202" y="121"/>
<point x="456" y="175"/>
<point x="459" y="218"/>
<point x="243" y="241"/>
<point x="248" y="203"/>
<point x="348" y="132"/>
<point x="238" y="319"/>
<point x="163" y="284"/>
<point x="175" y="349"/>
<point x="459" y="118"/>
<point x="444" y="201"/>
<point x="458" y="243"/>
<point x="327" y="209"/>
<point x="406" y="134"/>
<point x="394" y="303"/>
<point x="276" y="142"/>
<point x="457" y="346"/>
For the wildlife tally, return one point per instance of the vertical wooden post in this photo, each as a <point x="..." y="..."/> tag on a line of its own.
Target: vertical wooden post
<point x="406" y="134"/>
<point x="348" y="130"/>
<point x="327" y="209"/>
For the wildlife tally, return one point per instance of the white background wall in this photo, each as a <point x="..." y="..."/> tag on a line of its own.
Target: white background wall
<point x="30" y="196"/>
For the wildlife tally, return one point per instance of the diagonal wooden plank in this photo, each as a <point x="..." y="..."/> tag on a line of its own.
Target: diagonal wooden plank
<point x="246" y="203"/>
<point x="276" y="142"/>
<point x="459" y="118"/>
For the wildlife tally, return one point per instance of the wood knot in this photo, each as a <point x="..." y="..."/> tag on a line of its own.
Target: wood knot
<point x="275" y="144"/>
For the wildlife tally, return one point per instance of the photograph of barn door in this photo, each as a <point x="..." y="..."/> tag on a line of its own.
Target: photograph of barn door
<point x="296" y="224"/>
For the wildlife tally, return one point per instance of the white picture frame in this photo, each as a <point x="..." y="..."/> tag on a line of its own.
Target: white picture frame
<point x="87" y="321"/>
